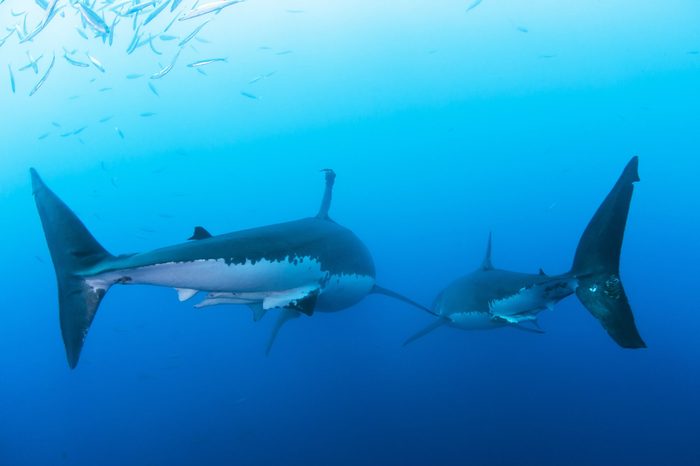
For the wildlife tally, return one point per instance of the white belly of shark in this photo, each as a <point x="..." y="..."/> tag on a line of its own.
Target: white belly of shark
<point x="247" y="282"/>
<point x="218" y="275"/>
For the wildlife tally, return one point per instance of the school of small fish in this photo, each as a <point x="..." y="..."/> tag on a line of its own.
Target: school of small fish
<point x="164" y="27"/>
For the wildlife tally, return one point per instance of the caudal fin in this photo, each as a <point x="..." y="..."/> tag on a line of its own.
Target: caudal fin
<point x="597" y="263"/>
<point x="73" y="249"/>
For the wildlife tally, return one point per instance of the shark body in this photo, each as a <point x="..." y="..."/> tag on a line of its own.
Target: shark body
<point x="298" y="267"/>
<point x="490" y="298"/>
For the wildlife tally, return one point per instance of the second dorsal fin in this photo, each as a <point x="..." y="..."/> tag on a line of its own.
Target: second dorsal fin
<point x="200" y="233"/>
<point x="487" y="264"/>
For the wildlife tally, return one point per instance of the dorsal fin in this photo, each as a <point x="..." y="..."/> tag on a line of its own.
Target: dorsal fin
<point x="487" y="264"/>
<point x="200" y="233"/>
<point x="327" y="195"/>
<point x="542" y="273"/>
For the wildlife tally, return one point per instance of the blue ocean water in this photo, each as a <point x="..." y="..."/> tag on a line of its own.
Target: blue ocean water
<point x="443" y="125"/>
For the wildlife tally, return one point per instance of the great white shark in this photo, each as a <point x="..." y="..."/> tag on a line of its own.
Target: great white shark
<point x="490" y="298"/>
<point x="298" y="267"/>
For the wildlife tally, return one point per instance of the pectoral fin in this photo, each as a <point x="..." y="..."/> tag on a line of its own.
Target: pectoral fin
<point x="285" y="315"/>
<point x="258" y="311"/>
<point x="299" y="299"/>
<point x="183" y="294"/>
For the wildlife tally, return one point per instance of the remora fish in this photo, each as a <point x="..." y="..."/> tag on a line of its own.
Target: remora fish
<point x="492" y="298"/>
<point x="298" y="267"/>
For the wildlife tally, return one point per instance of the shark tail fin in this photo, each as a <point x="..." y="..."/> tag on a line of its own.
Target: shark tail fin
<point x="597" y="263"/>
<point x="392" y="294"/>
<point x="73" y="249"/>
<point x="436" y="324"/>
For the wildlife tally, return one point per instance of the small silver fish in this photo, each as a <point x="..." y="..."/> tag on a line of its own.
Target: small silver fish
<point x="41" y="81"/>
<point x="96" y="62"/>
<point x="75" y="62"/>
<point x="43" y="136"/>
<point x="156" y="12"/>
<point x="165" y="37"/>
<point x="207" y="61"/>
<point x="106" y="119"/>
<point x="12" y="78"/>
<point x="208" y="8"/>
<point x="474" y="4"/>
<point x="193" y="33"/>
<point x="82" y="33"/>
<point x="111" y="30"/>
<point x="153" y="89"/>
<point x="170" y="24"/>
<point x="175" y="4"/>
<point x="153" y="47"/>
<point x="147" y="114"/>
<point x="119" y="132"/>
<point x="134" y="41"/>
<point x="138" y="7"/>
<point x="166" y="69"/>
<point x="133" y="76"/>
<point x="50" y="13"/>
<point x="33" y="63"/>
<point x="92" y="19"/>
<point x="249" y="95"/>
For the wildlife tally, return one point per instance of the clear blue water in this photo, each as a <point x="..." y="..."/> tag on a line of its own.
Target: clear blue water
<point x="443" y="125"/>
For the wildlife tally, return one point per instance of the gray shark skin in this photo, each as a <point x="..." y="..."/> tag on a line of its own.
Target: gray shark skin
<point x="298" y="267"/>
<point x="490" y="298"/>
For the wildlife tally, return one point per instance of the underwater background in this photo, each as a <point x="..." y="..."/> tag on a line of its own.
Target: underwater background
<point x="444" y="120"/>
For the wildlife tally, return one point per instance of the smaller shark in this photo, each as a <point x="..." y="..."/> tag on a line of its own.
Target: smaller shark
<point x="490" y="298"/>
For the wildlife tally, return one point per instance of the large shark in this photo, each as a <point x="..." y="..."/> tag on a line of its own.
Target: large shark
<point x="490" y="298"/>
<point x="299" y="267"/>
